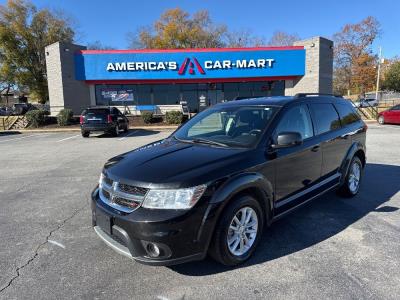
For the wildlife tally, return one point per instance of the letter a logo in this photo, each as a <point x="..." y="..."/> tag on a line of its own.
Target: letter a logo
<point x="188" y="64"/>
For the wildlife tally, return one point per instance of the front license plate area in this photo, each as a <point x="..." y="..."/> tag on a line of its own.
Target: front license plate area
<point x="103" y="221"/>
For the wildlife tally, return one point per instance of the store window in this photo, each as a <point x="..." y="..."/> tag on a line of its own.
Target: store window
<point x="114" y="94"/>
<point x="143" y="94"/>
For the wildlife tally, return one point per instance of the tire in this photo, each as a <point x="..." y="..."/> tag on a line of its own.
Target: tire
<point x="220" y="249"/>
<point x="115" y="131"/>
<point x="85" y="134"/>
<point x="381" y="120"/>
<point x="126" y="128"/>
<point x="349" y="188"/>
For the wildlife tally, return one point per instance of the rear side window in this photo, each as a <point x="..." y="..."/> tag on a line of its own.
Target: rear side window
<point x="325" y="117"/>
<point x="347" y="113"/>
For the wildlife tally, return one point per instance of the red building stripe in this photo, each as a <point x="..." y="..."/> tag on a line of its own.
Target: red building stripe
<point x="198" y="80"/>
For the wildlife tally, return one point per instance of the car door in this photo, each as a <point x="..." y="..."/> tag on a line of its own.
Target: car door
<point x="335" y="140"/>
<point x="396" y="114"/>
<point x="297" y="167"/>
<point x="393" y="115"/>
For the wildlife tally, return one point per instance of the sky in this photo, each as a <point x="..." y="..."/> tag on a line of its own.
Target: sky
<point x="110" y="21"/>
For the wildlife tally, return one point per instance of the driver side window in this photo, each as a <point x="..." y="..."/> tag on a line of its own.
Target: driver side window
<point x="296" y="119"/>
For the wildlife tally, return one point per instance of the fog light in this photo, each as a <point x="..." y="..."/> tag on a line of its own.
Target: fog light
<point x="153" y="250"/>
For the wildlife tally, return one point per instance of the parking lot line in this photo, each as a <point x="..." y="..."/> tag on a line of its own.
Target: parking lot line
<point x="128" y="135"/>
<point x="68" y="138"/>
<point x="22" y="137"/>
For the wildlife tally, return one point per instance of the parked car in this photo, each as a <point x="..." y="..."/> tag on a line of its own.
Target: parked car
<point x="5" y="111"/>
<point x="224" y="176"/>
<point x="392" y="115"/>
<point x="366" y="102"/>
<point x="19" y="109"/>
<point x="103" y="119"/>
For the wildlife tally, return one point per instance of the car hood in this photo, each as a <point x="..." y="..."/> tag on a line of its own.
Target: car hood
<point x="174" y="164"/>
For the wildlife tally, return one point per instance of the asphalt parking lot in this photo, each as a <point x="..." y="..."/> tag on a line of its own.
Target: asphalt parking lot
<point x="331" y="248"/>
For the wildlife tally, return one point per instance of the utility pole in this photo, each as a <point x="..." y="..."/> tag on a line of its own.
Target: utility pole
<point x="379" y="73"/>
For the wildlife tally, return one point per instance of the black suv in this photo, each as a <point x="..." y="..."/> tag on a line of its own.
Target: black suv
<point x="105" y="119"/>
<point x="219" y="180"/>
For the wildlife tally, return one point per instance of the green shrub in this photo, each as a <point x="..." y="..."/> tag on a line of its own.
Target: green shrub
<point x="36" y="117"/>
<point x="65" y="117"/>
<point x="174" y="117"/>
<point x="147" y="117"/>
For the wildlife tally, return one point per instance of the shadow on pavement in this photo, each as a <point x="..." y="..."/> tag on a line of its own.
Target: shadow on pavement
<point x="316" y="221"/>
<point x="132" y="133"/>
<point x="9" y="132"/>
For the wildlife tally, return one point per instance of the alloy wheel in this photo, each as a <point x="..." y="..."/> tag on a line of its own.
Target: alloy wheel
<point x="242" y="231"/>
<point x="354" y="177"/>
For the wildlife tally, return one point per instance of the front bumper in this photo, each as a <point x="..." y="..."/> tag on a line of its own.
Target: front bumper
<point x="180" y="236"/>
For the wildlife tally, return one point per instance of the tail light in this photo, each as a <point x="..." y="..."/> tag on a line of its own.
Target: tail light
<point x="109" y="119"/>
<point x="81" y="119"/>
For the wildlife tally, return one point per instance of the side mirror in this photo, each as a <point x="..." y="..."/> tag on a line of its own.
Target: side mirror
<point x="288" y="139"/>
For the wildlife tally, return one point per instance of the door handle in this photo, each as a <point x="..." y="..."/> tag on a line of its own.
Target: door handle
<point x="315" y="148"/>
<point x="345" y="136"/>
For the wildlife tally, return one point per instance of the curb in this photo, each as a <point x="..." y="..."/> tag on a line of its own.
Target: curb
<point x="55" y="130"/>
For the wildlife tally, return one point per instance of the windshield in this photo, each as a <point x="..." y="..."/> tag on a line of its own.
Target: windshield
<point x="240" y="126"/>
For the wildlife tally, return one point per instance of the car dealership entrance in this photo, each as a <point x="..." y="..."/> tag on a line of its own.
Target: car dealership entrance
<point x="199" y="77"/>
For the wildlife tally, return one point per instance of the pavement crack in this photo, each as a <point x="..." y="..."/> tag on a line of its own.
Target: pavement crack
<point x="36" y="252"/>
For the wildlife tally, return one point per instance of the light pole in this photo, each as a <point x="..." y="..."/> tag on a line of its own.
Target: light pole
<point x="379" y="73"/>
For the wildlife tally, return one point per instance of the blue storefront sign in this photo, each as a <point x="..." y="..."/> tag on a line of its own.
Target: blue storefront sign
<point x="191" y="64"/>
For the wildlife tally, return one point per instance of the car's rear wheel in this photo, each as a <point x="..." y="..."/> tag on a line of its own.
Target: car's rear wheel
<point x="85" y="134"/>
<point x="238" y="231"/>
<point x="351" y="184"/>
<point x="126" y="128"/>
<point x="115" y="131"/>
<point x="381" y="120"/>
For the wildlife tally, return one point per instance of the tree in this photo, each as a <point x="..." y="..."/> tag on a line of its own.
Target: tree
<point x="97" y="45"/>
<point x="392" y="78"/>
<point x="354" y="61"/>
<point x="243" y="38"/>
<point x="24" y="33"/>
<point x="281" y="38"/>
<point x="177" y="29"/>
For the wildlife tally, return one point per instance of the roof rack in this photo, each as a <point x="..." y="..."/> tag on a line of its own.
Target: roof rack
<point x="302" y="95"/>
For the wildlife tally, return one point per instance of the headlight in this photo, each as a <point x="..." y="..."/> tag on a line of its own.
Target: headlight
<point x="174" y="199"/>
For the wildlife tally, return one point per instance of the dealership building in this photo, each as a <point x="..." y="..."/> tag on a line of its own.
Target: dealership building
<point x="162" y="79"/>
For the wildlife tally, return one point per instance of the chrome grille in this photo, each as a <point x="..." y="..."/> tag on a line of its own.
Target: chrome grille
<point x="123" y="197"/>
<point x="126" y="202"/>
<point x="133" y="189"/>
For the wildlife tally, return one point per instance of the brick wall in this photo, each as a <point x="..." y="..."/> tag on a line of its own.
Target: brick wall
<point x="319" y="68"/>
<point x="64" y="90"/>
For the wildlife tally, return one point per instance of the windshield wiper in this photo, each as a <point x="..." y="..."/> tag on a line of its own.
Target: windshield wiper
<point x="209" y="142"/>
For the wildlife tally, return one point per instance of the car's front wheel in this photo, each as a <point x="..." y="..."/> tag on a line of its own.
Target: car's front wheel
<point x="351" y="184"/>
<point x="381" y="120"/>
<point x="238" y="231"/>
